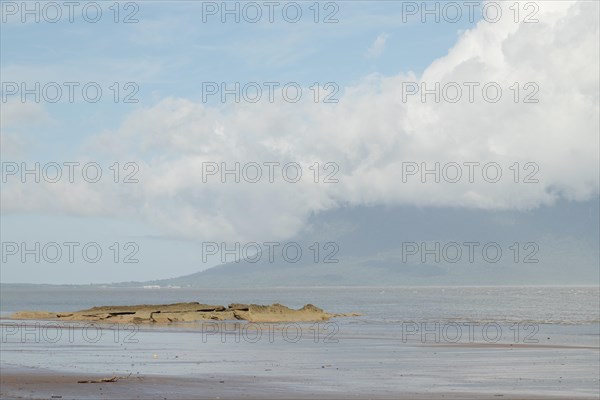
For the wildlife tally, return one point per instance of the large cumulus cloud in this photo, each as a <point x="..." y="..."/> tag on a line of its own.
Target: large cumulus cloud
<point x="369" y="134"/>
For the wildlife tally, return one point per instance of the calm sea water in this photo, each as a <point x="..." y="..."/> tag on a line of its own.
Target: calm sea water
<point x="542" y="340"/>
<point x="541" y="305"/>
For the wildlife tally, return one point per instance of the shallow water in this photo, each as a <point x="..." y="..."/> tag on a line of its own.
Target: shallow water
<point x="529" y="340"/>
<point x="556" y="305"/>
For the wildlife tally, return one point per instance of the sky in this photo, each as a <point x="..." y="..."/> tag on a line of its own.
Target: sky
<point x="500" y="101"/>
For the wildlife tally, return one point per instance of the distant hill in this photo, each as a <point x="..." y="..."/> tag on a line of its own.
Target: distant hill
<point x="371" y="241"/>
<point x="265" y="274"/>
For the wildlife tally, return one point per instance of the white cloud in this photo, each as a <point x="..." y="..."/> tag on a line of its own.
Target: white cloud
<point x="16" y="115"/>
<point x="16" y="118"/>
<point x="378" y="46"/>
<point x="369" y="134"/>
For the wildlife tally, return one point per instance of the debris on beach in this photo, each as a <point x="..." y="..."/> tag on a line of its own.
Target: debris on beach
<point x="105" y="380"/>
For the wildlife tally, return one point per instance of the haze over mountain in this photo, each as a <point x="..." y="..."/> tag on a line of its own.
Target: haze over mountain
<point x="370" y="241"/>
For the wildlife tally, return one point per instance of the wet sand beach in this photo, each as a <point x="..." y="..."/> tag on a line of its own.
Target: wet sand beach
<point x="189" y="361"/>
<point x="32" y="383"/>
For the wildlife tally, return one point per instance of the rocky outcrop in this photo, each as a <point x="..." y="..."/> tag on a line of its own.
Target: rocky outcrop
<point x="185" y="312"/>
<point x="279" y="313"/>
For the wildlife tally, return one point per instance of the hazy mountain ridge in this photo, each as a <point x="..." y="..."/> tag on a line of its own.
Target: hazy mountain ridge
<point x="371" y="241"/>
<point x="370" y="250"/>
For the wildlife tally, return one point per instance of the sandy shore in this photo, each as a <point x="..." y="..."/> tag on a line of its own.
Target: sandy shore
<point x="35" y="383"/>
<point x="343" y="359"/>
<point x="510" y="346"/>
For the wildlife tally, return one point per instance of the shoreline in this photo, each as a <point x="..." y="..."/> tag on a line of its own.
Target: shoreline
<point x="175" y="363"/>
<point x="56" y="332"/>
<point x="394" y="351"/>
<point x="35" y="383"/>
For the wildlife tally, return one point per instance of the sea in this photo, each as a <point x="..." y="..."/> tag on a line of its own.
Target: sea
<point x="524" y="340"/>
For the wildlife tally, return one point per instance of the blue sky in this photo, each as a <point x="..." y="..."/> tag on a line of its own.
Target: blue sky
<point x="170" y="52"/>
